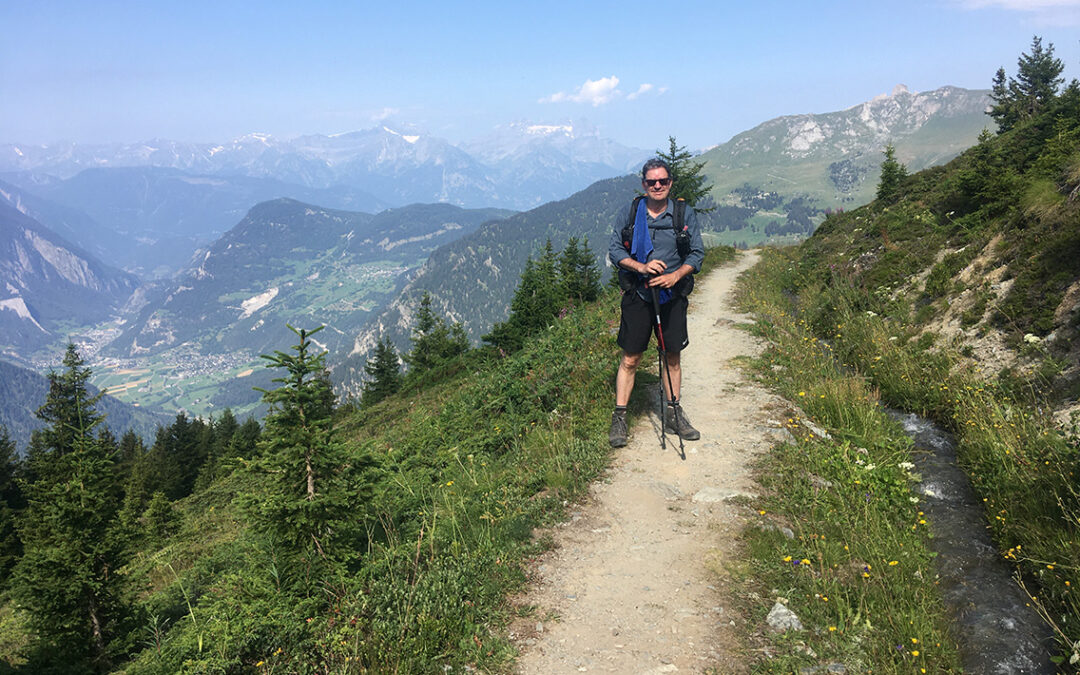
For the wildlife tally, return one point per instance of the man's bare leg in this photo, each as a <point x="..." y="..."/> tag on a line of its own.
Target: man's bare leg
<point x="674" y="368"/>
<point x="624" y="379"/>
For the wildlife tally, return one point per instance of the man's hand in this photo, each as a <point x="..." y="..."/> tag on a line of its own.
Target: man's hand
<point x="652" y="268"/>
<point x="664" y="280"/>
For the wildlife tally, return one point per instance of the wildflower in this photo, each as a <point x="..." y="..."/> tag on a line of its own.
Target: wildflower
<point x="802" y="393"/>
<point x="893" y="563"/>
<point x="832" y="629"/>
<point x="787" y="558"/>
<point x="761" y="512"/>
<point x="914" y="652"/>
<point x="449" y="483"/>
<point x="914" y="641"/>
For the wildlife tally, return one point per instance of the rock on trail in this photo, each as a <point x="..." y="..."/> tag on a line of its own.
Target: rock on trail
<point x="636" y="580"/>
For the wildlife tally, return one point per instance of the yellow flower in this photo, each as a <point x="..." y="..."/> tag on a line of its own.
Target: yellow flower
<point x="802" y="393"/>
<point x="787" y="558"/>
<point x="914" y="641"/>
<point x="761" y="512"/>
<point x="449" y="483"/>
<point x="894" y="562"/>
<point x="832" y="629"/>
<point x="914" y="652"/>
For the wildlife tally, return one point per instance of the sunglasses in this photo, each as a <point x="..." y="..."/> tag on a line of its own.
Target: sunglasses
<point x="653" y="182"/>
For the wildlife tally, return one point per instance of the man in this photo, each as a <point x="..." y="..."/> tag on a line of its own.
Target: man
<point x="653" y="261"/>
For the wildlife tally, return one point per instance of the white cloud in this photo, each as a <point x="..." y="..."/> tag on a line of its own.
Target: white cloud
<point x="593" y="92"/>
<point x="643" y="89"/>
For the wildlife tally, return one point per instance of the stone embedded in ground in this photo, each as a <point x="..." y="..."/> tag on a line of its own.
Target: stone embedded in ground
<point x="831" y="668"/>
<point x="815" y="429"/>
<point x="782" y="619"/>
<point x="717" y="494"/>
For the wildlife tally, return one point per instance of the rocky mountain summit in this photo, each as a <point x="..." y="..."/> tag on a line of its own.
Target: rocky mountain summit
<point x="833" y="158"/>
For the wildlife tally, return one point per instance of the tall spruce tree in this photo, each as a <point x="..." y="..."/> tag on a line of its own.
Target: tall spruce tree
<point x="1038" y="79"/>
<point x="539" y="297"/>
<point x="687" y="181"/>
<point x="67" y="577"/>
<point x="434" y="340"/>
<point x="892" y="173"/>
<point x="305" y="501"/>
<point x="11" y="505"/>
<point x="384" y="374"/>
<point x="578" y="274"/>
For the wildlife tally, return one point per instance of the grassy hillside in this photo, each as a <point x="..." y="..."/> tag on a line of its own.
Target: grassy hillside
<point x="461" y="467"/>
<point x="960" y="299"/>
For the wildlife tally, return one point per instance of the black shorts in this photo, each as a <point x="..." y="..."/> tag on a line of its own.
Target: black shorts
<point x="636" y="324"/>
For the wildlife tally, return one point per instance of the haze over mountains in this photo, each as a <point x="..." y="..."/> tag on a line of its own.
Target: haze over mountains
<point x="233" y="240"/>
<point x="395" y="166"/>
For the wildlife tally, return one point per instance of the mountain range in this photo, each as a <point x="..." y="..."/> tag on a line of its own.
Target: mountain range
<point x="399" y="166"/>
<point x="267" y="232"/>
<point x="832" y="160"/>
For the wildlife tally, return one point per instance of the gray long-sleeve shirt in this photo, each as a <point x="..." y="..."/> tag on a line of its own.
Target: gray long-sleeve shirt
<point x="663" y="239"/>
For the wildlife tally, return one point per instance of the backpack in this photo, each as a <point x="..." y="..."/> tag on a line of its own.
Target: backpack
<point x="682" y="232"/>
<point x="629" y="280"/>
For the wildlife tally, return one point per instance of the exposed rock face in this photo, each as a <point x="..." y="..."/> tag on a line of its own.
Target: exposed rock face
<point x="862" y="128"/>
<point x="45" y="280"/>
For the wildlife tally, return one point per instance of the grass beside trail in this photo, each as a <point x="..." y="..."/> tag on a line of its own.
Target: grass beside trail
<point x="858" y="571"/>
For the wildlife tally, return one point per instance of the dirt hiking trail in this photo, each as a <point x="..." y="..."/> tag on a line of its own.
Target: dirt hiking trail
<point x="636" y="580"/>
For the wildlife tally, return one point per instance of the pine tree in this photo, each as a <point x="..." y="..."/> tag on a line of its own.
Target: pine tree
<point x="539" y="297"/>
<point x="159" y="519"/>
<point x="66" y="578"/>
<point x="306" y="501"/>
<point x="687" y="182"/>
<point x="11" y="505"/>
<point x="434" y="341"/>
<point x="892" y="173"/>
<point x="1038" y="79"/>
<point x="384" y="374"/>
<point x="578" y="273"/>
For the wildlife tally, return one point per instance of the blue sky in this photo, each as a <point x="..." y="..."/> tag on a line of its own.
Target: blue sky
<point x="702" y="71"/>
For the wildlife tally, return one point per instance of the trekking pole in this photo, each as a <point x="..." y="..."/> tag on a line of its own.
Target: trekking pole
<point x="662" y="355"/>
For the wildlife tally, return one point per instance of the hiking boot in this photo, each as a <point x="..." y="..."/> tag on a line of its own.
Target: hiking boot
<point x="680" y="425"/>
<point x="617" y="435"/>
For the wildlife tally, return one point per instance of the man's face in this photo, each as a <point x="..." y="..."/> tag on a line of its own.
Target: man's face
<point x="654" y="187"/>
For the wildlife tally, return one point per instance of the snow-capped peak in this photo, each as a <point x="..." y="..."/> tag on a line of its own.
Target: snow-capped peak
<point x="549" y="129"/>
<point x="407" y="139"/>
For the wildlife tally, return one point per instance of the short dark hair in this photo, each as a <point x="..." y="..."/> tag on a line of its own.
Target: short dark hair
<point x="655" y="163"/>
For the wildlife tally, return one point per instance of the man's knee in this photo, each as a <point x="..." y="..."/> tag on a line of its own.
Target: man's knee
<point x="673" y="359"/>
<point x="630" y="361"/>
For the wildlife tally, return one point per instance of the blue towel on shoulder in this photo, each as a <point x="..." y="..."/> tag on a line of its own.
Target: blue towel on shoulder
<point x="642" y="246"/>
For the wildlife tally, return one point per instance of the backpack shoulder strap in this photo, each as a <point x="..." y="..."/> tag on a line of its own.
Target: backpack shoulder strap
<point x="680" y="214"/>
<point x="628" y="229"/>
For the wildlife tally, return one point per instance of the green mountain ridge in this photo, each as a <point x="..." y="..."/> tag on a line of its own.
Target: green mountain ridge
<point x="472" y="280"/>
<point x="286" y="262"/>
<point x="832" y="159"/>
